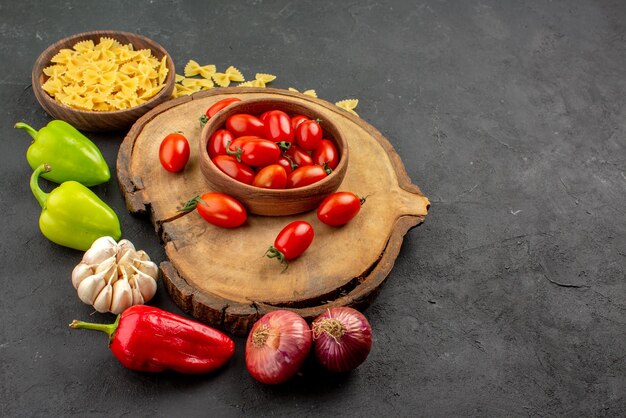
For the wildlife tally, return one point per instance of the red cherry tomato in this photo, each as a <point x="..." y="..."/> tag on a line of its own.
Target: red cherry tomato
<point x="299" y="156"/>
<point x="297" y="120"/>
<point x="218" y="142"/>
<point x="240" y="141"/>
<point x="271" y="177"/>
<point x="233" y="168"/>
<point x="308" y="135"/>
<point x="219" y="209"/>
<point x="242" y="124"/>
<point x="285" y="163"/>
<point x="278" y="126"/>
<point x="339" y="208"/>
<point x="303" y="176"/>
<point x="174" y="152"/>
<point x="216" y="107"/>
<point x="256" y="152"/>
<point x="291" y="242"/>
<point x="264" y="115"/>
<point x="326" y="153"/>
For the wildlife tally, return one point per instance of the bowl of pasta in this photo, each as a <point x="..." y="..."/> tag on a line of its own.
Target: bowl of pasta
<point x="103" y="80"/>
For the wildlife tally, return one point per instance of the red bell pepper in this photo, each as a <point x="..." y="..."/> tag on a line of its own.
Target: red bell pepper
<point x="149" y="339"/>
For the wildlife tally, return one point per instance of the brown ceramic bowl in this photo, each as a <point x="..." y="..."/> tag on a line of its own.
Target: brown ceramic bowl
<point x="92" y="120"/>
<point x="273" y="202"/>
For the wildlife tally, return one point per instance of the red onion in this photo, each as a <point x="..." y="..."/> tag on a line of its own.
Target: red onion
<point x="343" y="339"/>
<point x="277" y="346"/>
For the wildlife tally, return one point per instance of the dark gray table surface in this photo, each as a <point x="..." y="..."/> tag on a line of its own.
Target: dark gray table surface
<point x="508" y="301"/>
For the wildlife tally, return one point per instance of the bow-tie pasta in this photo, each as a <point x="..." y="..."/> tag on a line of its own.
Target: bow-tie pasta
<point x="107" y="76"/>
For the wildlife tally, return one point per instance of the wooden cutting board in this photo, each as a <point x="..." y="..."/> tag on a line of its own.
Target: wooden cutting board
<point x="220" y="276"/>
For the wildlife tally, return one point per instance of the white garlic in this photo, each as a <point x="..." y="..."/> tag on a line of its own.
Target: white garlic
<point x="145" y="284"/>
<point x="80" y="273"/>
<point x="122" y="296"/>
<point x="101" y="249"/>
<point x="114" y="276"/>
<point x="89" y="288"/>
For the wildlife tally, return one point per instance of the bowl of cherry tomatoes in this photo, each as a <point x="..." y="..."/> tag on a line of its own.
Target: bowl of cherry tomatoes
<point x="276" y="156"/>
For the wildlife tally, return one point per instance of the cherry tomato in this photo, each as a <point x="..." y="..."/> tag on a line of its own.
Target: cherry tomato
<point x="297" y="120"/>
<point x="308" y="135"/>
<point x="233" y="168"/>
<point x="299" y="156"/>
<point x="256" y="152"/>
<point x="237" y="143"/>
<point x="219" y="209"/>
<point x="242" y="124"/>
<point x="271" y="177"/>
<point x="326" y="153"/>
<point x="303" y="176"/>
<point x="218" y="142"/>
<point x="339" y="208"/>
<point x="174" y="152"/>
<point x="264" y="115"/>
<point x="291" y="242"/>
<point x="278" y="126"/>
<point x="286" y="163"/>
<point x="216" y="107"/>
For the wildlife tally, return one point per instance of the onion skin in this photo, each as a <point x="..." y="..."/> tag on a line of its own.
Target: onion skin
<point x="277" y="346"/>
<point x="343" y="339"/>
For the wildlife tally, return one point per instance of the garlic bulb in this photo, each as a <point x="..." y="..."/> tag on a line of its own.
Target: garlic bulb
<point x="113" y="276"/>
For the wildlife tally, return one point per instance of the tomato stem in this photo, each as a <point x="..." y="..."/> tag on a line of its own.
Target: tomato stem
<point x="284" y="145"/>
<point x="291" y="163"/>
<point x="272" y="252"/>
<point x="190" y="204"/>
<point x="326" y="168"/>
<point x="203" y="120"/>
<point x="237" y="153"/>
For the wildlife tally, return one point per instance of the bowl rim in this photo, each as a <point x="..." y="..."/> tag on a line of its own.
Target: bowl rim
<point x="204" y="155"/>
<point x="56" y="46"/>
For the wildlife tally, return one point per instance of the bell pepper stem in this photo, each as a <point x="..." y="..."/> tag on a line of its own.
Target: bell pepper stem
<point x="31" y="131"/>
<point x="40" y="195"/>
<point x="108" y="329"/>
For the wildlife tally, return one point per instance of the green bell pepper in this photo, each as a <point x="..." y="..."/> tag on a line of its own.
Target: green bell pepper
<point x="72" y="215"/>
<point x="72" y="154"/>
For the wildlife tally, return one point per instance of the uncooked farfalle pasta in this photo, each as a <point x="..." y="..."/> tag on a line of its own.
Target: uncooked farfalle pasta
<point x="107" y="76"/>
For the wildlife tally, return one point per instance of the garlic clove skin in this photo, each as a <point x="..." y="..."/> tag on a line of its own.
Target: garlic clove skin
<point x="80" y="273"/>
<point x="100" y="250"/>
<point x="107" y="266"/>
<point x="90" y="287"/>
<point x="126" y="258"/>
<point x="122" y="296"/>
<point x="125" y="245"/>
<point x="142" y="255"/>
<point x="103" y="301"/>
<point x="145" y="283"/>
<point x="148" y="267"/>
<point x="137" y="296"/>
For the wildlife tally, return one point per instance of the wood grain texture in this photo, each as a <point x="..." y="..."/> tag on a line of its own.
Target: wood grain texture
<point x="100" y="121"/>
<point x="272" y="202"/>
<point x="220" y="276"/>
